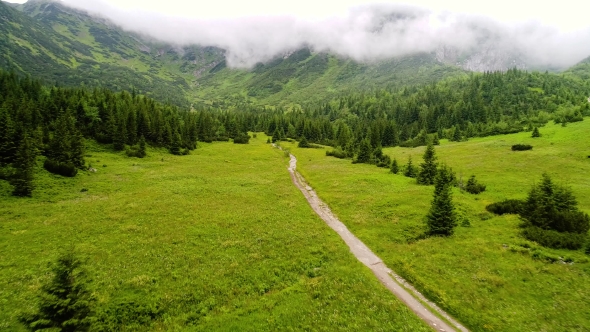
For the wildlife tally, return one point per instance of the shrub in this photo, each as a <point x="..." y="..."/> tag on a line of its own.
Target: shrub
<point x="473" y="187"/>
<point x="338" y="153"/>
<point x="242" y="139"/>
<point x="384" y="161"/>
<point x="65" y="303"/>
<point x="63" y="169"/>
<point x="303" y="143"/>
<point x="554" y="239"/>
<point x="521" y="147"/>
<point x="134" y="151"/>
<point x="509" y="206"/>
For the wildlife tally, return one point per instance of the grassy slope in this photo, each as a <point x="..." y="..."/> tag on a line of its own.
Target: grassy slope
<point x="220" y="240"/>
<point x="310" y="77"/>
<point x="473" y="274"/>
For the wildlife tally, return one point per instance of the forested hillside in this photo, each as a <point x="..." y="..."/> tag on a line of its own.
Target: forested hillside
<point x="63" y="45"/>
<point x="478" y="105"/>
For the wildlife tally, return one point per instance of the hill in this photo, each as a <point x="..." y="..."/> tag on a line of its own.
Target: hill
<point x="581" y="70"/>
<point x="60" y="44"/>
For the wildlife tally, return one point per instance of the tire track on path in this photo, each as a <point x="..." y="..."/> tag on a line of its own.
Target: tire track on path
<point x="396" y="284"/>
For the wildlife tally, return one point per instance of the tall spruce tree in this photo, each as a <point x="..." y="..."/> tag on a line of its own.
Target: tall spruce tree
<point x="65" y="303"/>
<point x="120" y="136"/>
<point x="442" y="219"/>
<point x="7" y="139"/>
<point x="427" y="171"/>
<point x="24" y="164"/>
<point x="77" y="149"/>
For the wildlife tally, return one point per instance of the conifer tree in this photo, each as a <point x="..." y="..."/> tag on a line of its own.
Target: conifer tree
<point x="427" y="171"/>
<point x="364" y="155"/>
<point x="22" y="180"/>
<point x="65" y="303"/>
<point x="7" y="139"/>
<point x="59" y="145"/>
<point x="410" y="170"/>
<point x="77" y="149"/>
<point x="303" y="143"/>
<point x="394" y="166"/>
<point x="442" y="219"/>
<point x="142" y="152"/>
<point x="276" y="136"/>
<point x="536" y="132"/>
<point x="175" y="146"/>
<point x="120" y="136"/>
<point x="456" y="135"/>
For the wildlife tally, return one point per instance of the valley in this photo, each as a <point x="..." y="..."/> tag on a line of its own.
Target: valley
<point x="388" y="169"/>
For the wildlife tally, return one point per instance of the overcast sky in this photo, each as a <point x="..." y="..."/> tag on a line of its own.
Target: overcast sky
<point x="552" y="33"/>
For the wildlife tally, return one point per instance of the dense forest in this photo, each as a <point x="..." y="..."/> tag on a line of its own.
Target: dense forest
<point x="55" y="120"/>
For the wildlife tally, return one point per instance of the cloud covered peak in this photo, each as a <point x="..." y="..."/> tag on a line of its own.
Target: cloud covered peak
<point x="364" y="33"/>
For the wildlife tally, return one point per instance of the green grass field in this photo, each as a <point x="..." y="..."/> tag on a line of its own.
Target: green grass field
<point x="485" y="275"/>
<point x="218" y="240"/>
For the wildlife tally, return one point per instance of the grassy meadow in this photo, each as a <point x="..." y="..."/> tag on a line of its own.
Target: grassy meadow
<point x="485" y="275"/>
<point x="217" y="240"/>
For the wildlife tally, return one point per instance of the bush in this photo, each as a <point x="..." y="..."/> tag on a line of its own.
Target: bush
<point x="384" y="161"/>
<point x="303" y="143"/>
<point x="134" y="151"/>
<point x="521" y="147"/>
<point x="338" y="153"/>
<point x="554" y="239"/>
<point x="509" y="206"/>
<point x="473" y="187"/>
<point x="242" y="139"/>
<point x="63" y="169"/>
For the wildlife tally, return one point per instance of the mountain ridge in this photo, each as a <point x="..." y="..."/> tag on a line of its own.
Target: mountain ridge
<point x="81" y="48"/>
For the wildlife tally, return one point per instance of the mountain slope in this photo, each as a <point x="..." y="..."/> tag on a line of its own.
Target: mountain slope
<point x="581" y="70"/>
<point x="49" y="40"/>
<point x="54" y="53"/>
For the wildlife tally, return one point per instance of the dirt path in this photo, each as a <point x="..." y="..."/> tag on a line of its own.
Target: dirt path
<point x="398" y="286"/>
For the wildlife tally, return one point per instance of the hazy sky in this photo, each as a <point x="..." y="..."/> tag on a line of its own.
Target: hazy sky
<point x="550" y="33"/>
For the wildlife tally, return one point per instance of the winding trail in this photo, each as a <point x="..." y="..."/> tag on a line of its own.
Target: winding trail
<point x="396" y="284"/>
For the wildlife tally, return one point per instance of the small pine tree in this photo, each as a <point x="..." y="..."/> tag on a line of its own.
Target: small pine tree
<point x="410" y="170"/>
<point x="65" y="303"/>
<point x="435" y="140"/>
<point x="394" y="166"/>
<point x="456" y="135"/>
<point x="120" y="137"/>
<point x="141" y="152"/>
<point x="175" y="146"/>
<point x="364" y="155"/>
<point x="474" y="187"/>
<point x="536" y="132"/>
<point x="303" y="143"/>
<point x="427" y="171"/>
<point x="276" y="136"/>
<point x="442" y="219"/>
<point x="22" y="180"/>
<point x="77" y="150"/>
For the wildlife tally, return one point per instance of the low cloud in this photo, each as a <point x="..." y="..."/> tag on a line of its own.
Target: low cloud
<point x="366" y="33"/>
